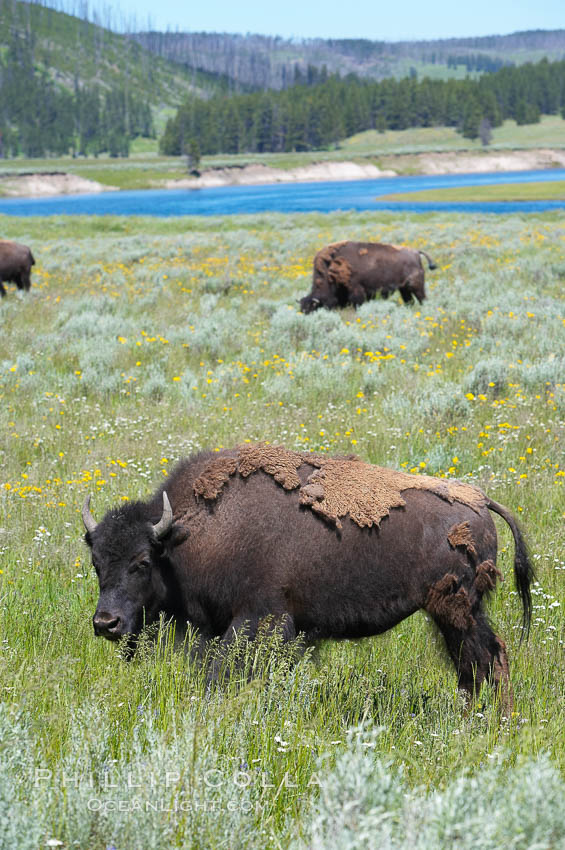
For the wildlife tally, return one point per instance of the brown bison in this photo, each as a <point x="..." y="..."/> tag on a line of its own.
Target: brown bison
<point x="330" y="547"/>
<point x="15" y="265"/>
<point x="353" y="272"/>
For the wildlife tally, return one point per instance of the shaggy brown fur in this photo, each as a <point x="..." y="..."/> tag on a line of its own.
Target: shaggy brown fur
<point x="460" y="535"/>
<point x="340" y="272"/>
<point x="450" y="606"/>
<point x="210" y="483"/>
<point x="277" y="461"/>
<point x="337" y="487"/>
<point x="486" y="576"/>
<point x="324" y="257"/>
<point x="367" y="493"/>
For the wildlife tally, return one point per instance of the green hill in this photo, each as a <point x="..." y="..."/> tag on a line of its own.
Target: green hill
<point x="74" y="52"/>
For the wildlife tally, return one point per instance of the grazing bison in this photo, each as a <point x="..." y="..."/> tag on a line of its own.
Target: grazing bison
<point x="353" y="272"/>
<point x="331" y="547"/>
<point x="15" y="265"/>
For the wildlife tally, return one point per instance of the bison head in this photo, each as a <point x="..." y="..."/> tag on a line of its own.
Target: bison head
<point x="129" y="554"/>
<point x="309" y="303"/>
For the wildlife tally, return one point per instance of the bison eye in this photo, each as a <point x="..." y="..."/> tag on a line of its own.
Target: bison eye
<point x="140" y="565"/>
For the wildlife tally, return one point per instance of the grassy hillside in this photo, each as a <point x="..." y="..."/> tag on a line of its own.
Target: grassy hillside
<point x="143" y="340"/>
<point x="548" y="133"/>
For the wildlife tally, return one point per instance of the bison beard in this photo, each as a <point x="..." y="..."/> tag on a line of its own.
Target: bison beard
<point x="350" y="273"/>
<point x="328" y="547"/>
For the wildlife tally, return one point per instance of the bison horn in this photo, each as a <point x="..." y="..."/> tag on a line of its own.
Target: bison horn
<point x="164" y="524"/>
<point x="89" y="521"/>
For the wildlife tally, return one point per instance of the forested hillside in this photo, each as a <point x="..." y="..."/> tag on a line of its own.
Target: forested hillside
<point x="269" y="63"/>
<point x="68" y="85"/>
<point x="319" y="111"/>
<point x="71" y="86"/>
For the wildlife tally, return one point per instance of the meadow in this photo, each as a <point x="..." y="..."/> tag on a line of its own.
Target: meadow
<point x="143" y="340"/>
<point x="542" y="191"/>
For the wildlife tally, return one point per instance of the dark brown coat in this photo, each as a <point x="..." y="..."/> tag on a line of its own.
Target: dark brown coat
<point x="245" y="541"/>
<point x="353" y="272"/>
<point x="15" y="265"/>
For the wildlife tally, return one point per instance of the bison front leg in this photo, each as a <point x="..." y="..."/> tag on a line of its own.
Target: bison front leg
<point x="2" y="290"/>
<point x="245" y="628"/>
<point x="356" y="295"/>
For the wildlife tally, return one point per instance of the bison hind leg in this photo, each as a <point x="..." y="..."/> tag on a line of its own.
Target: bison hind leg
<point x="414" y="285"/>
<point x="406" y="294"/>
<point x="478" y="654"/>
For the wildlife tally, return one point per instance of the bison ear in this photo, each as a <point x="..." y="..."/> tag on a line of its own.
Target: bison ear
<point x="179" y="534"/>
<point x="175" y="537"/>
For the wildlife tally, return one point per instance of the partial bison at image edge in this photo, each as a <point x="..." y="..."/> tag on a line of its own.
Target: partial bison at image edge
<point x="350" y="273"/>
<point x="331" y="547"/>
<point x="15" y="265"/>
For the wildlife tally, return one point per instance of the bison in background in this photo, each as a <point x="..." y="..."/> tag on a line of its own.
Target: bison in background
<point x="353" y="272"/>
<point x="15" y="265"/>
<point x="331" y="547"/>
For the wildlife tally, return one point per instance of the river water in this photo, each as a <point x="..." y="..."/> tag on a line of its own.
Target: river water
<point x="289" y="197"/>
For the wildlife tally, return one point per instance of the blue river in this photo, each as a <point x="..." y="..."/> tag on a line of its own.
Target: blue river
<point x="289" y="197"/>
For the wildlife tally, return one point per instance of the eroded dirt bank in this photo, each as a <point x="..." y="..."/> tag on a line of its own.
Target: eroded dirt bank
<point x="450" y="162"/>
<point x="40" y="184"/>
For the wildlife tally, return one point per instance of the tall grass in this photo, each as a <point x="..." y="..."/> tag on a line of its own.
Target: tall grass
<point x="144" y="340"/>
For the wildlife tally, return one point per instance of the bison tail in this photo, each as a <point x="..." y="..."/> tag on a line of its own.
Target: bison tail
<point x="431" y="264"/>
<point x="31" y="259"/>
<point x="523" y="569"/>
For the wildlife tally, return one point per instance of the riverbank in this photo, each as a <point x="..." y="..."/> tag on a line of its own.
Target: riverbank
<point x="451" y="162"/>
<point x="42" y="184"/>
<point x="126" y="174"/>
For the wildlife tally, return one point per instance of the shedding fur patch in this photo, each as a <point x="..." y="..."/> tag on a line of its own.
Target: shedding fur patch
<point x="277" y="461"/>
<point x="209" y="484"/>
<point x="449" y="605"/>
<point x="324" y="257"/>
<point x="486" y="576"/>
<point x="339" y="271"/>
<point x="460" y="535"/>
<point x="337" y="486"/>
<point x="363" y="251"/>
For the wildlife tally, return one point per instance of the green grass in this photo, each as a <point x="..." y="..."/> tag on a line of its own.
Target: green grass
<point x="549" y="133"/>
<point x="554" y="191"/>
<point x="143" y="340"/>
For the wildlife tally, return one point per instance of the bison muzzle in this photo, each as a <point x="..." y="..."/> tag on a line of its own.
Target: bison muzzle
<point x="330" y="547"/>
